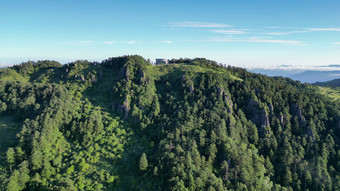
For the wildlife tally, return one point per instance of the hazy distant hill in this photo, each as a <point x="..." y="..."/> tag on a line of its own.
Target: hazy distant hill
<point x="310" y="76"/>
<point x="316" y="76"/>
<point x="333" y="83"/>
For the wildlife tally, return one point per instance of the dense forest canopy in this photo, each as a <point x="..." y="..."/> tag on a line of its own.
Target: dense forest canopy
<point x="124" y="124"/>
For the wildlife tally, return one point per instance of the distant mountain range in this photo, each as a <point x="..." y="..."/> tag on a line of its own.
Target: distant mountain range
<point x="333" y="65"/>
<point x="332" y="83"/>
<point x="316" y="76"/>
<point x="308" y="76"/>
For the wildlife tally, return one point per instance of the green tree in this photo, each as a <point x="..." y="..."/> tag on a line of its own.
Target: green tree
<point x="10" y="157"/>
<point x="143" y="162"/>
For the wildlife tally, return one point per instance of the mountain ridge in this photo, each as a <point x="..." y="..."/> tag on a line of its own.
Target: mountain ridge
<point x="125" y="124"/>
<point x="332" y="83"/>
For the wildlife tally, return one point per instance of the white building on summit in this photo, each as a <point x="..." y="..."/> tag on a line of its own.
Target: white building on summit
<point x="161" y="61"/>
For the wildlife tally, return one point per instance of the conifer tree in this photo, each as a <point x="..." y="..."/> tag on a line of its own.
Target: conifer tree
<point x="143" y="162"/>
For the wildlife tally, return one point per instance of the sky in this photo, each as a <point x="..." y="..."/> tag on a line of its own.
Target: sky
<point x="251" y="34"/>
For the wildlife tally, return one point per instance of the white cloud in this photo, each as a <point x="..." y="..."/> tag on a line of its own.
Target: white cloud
<point x="109" y="42"/>
<point x="324" y="29"/>
<point x="259" y="40"/>
<point x="275" y="27"/>
<point x="131" y="42"/>
<point x="285" y="33"/>
<point x="3" y="65"/>
<point x="296" y="67"/>
<point x="198" y="24"/>
<point x="167" y="41"/>
<point x="277" y="33"/>
<point x="232" y="31"/>
<point x="337" y="43"/>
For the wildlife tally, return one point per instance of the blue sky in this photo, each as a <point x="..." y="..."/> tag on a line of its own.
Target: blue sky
<point x="241" y="33"/>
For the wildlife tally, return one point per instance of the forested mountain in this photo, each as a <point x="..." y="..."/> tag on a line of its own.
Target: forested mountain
<point x="124" y="124"/>
<point x="332" y="83"/>
<point x="330" y="89"/>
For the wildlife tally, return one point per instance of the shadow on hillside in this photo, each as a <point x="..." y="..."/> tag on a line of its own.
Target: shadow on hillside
<point x="126" y="167"/>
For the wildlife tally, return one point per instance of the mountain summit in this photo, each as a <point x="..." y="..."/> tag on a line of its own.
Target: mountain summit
<point x="125" y="124"/>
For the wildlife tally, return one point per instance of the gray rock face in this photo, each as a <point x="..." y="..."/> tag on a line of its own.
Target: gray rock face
<point x="142" y="79"/>
<point x="221" y="92"/>
<point x="297" y="112"/>
<point x="271" y="109"/>
<point x="122" y="108"/>
<point x="282" y="120"/>
<point x="259" y="116"/>
<point x="230" y="103"/>
<point x="192" y="89"/>
<point x="126" y="107"/>
<point x="125" y="72"/>
<point x="302" y="121"/>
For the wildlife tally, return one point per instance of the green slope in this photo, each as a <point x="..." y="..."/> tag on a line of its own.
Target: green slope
<point x="330" y="89"/>
<point x="332" y="92"/>
<point x="125" y="124"/>
<point x="8" y="74"/>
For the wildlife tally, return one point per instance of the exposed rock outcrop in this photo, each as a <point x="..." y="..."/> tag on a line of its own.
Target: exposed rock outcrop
<point x="192" y="89"/>
<point x="282" y="120"/>
<point x="271" y="110"/>
<point x="221" y="92"/>
<point x="185" y="84"/>
<point x="302" y="121"/>
<point x="259" y="116"/>
<point x="122" y="108"/>
<point x="297" y="112"/>
<point x="125" y="72"/>
<point x="126" y="107"/>
<point x="143" y="79"/>
<point x="227" y="98"/>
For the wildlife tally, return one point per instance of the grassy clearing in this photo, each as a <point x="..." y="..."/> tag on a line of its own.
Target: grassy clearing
<point x="7" y="74"/>
<point x="333" y="93"/>
<point x="178" y="69"/>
